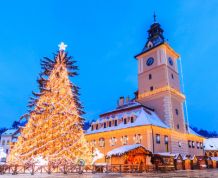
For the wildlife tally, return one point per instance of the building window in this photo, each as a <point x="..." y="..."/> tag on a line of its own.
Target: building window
<point x="193" y="144"/>
<point x="113" y="141"/>
<point x="149" y="76"/>
<point x="92" y="127"/>
<point x="189" y="144"/>
<point x="179" y="144"/>
<point x="101" y="142"/>
<point x="93" y="143"/>
<point x="6" y="151"/>
<point x="177" y="126"/>
<point x="109" y="123"/>
<point x="198" y="145"/>
<point x="96" y="126"/>
<point x="115" y="122"/>
<point x="151" y="88"/>
<point x="124" y="140"/>
<point x="177" y="112"/>
<point x="105" y="125"/>
<point x="201" y="145"/>
<point x="172" y="76"/>
<point x="158" y="138"/>
<point x="125" y="121"/>
<point x="137" y="138"/>
<point x="132" y="119"/>
<point x="166" y="139"/>
<point x="3" y="142"/>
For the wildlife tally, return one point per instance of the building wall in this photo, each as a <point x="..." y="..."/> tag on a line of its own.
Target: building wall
<point x="148" y="134"/>
<point x="5" y="143"/>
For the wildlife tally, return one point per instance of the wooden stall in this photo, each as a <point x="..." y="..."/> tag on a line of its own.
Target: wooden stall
<point x="194" y="162"/>
<point x="128" y="156"/>
<point x="209" y="162"/>
<point x="178" y="162"/>
<point x="163" y="161"/>
<point x="202" y="162"/>
<point x="214" y="162"/>
<point x="186" y="160"/>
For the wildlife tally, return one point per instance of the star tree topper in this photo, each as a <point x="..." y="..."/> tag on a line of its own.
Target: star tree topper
<point x="62" y="46"/>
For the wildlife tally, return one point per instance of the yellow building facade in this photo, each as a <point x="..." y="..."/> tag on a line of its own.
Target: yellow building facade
<point x="155" y="118"/>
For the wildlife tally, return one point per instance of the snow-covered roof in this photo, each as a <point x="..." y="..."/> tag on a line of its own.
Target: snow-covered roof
<point x="190" y="131"/>
<point x="123" y="149"/>
<point x="9" y="132"/>
<point x="143" y="117"/>
<point x="214" y="158"/>
<point x="211" y="144"/>
<point x="166" y="154"/>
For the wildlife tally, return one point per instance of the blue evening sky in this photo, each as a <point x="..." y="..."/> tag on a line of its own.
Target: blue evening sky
<point x="103" y="36"/>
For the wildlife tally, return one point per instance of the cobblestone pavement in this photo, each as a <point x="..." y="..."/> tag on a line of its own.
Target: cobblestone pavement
<point x="176" y="174"/>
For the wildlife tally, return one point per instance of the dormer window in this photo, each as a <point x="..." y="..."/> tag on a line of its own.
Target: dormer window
<point x="125" y="121"/>
<point x="105" y="125"/>
<point x="109" y="123"/>
<point x="115" y="122"/>
<point x="132" y="119"/>
<point x="92" y="127"/>
<point x="97" y="127"/>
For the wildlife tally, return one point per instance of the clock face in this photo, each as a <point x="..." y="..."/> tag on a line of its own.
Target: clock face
<point x="170" y="61"/>
<point x="150" y="61"/>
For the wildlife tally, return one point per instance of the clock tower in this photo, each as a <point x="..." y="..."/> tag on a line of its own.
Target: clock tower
<point x="158" y="79"/>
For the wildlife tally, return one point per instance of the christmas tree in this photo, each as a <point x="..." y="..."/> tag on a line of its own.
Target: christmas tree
<point x="54" y="128"/>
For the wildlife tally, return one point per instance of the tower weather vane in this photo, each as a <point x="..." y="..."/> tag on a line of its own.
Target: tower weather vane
<point x="62" y="46"/>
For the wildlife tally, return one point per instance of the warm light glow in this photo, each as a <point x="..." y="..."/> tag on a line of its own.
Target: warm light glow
<point x="54" y="129"/>
<point x="159" y="90"/>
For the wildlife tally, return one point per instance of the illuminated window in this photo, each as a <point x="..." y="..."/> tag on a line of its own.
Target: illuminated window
<point x="198" y="145"/>
<point x="189" y="144"/>
<point x="193" y="144"/>
<point x="137" y="138"/>
<point x="101" y="142"/>
<point x="166" y="139"/>
<point x="124" y="140"/>
<point x="113" y="141"/>
<point x="158" y="138"/>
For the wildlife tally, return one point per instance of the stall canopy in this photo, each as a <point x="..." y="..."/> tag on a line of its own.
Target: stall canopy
<point x="125" y="149"/>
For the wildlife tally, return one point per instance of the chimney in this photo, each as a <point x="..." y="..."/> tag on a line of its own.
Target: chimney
<point x="127" y="99"/>
<point x="121" y="101"/>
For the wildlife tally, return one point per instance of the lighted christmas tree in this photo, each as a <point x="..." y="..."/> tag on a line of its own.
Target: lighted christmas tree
<point x="54" y="129"/>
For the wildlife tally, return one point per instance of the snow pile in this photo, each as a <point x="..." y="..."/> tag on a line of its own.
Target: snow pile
<point x="123" y="149"/>
<point x="211" y="144"/>
<point x="39" y="161"/>
<point x="97" y="155"/>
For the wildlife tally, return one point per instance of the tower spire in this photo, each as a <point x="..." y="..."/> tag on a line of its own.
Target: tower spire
<point x="154" y="16"/>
